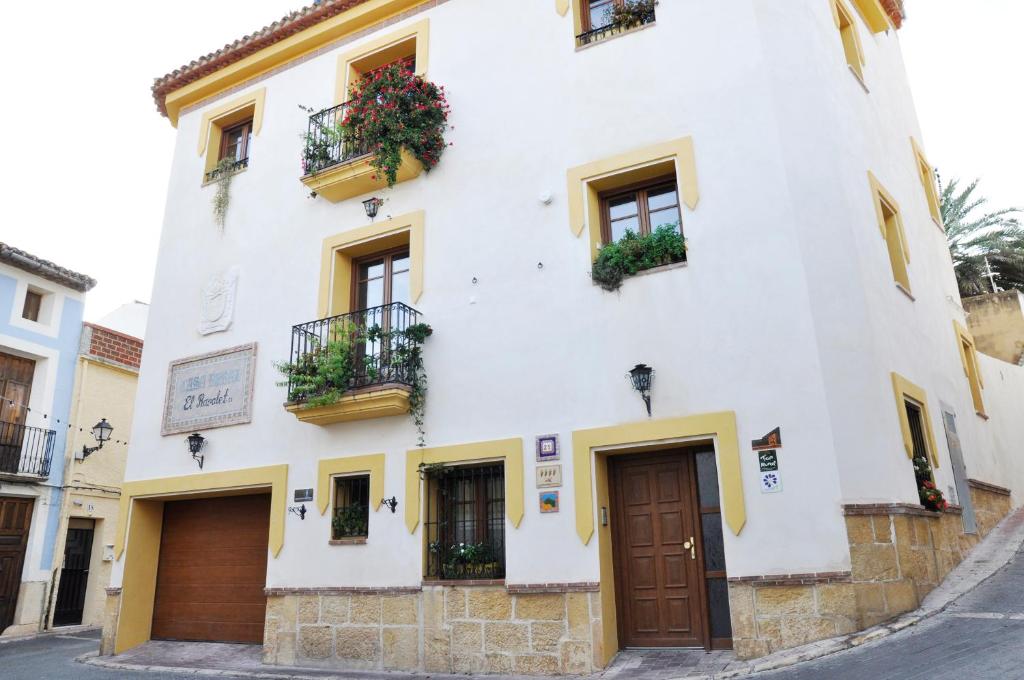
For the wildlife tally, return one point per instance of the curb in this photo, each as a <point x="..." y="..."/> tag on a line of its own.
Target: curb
<point x="69" y="630"/>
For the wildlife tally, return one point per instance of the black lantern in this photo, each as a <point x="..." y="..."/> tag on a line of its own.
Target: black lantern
<point x="391" y="503"/>
<point x="300" y="511"/>
<point x="642" y="376"/>
<point x="101" y="432"/>
<point x="372" y="205"/>
<point x="196" y="442"/>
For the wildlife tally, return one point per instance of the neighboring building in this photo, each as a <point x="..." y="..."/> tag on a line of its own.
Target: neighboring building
<point x="996" y="321"/>
<point x="40" y="321"/>
<point x="549" y="521"/>
<point x="105" y="381"/>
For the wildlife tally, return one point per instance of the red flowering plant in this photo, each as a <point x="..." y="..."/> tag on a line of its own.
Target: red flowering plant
<point x="392" y="108"/>
<point x="931" y="497"/>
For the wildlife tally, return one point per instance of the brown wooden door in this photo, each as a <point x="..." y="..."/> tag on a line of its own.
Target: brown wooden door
<point x="658" y="579"/>
<point x="15" y="518"/>
<point x="212" y="570"/>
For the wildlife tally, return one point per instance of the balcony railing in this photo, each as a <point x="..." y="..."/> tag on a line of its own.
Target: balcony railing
<point x="326" y="146"/>
<point x="234" y="167"/>
<point x="602" y="32"/>
<point x="25" y="450"/>
<point x="353" y="351"/>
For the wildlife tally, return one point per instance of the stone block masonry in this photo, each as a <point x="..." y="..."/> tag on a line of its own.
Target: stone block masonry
<point x="457" y="628"/>
<point x="898" y="554"/>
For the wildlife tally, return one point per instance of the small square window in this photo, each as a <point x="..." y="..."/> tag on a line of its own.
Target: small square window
<point x="465" y="523"/>
<point x="350" y="518"/>
<point x="33" y="304"/>
<point x="641" y="210"/>
<point x="600" y="19"/>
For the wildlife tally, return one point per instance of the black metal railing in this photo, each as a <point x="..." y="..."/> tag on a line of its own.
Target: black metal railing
<point x="465" y="523"/>
<point x="25" y="450"/>
<point x="234" y="167"/>
<point x="602" y="32"/>
<point x="351" y="518"/>
<point x="352" y="351"/>
<point x="326" y="145"/>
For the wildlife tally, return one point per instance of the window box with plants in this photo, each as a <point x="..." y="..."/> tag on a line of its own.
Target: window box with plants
<point x="367" y="364"/>
<point x="391" y="130"/>
<point x="634" y="253"/>
<point x="604" y="18"/>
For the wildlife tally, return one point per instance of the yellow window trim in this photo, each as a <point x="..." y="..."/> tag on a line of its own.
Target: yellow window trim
<point x="969" y="359"/>
<point x="881" y="197"/>
<point x="216" y="120"/>
<point x="274" y="476"/>
<point x="874" y="15"/>
<point x="721" y="427"/>
<point x="379" y="52"/>
<point x="904" y="389"/>
<point x="926" y="172"/>
<point x="511" y="450"/>
<point x="360" y="17"/>
<point x="372" y="465"/>
<point x="562" y="7"/>
<point x="842" y="14"/>
<point x="585" y="182"/>
<point x="339" y="250"/>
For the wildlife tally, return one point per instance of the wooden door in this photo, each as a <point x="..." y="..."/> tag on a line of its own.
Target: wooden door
<point x="15" y="391"/>
<point x="658" y="576"/>
<point x="212" y="570"/>
<point x="15" y="518"/>
<point x="74" y="577"/>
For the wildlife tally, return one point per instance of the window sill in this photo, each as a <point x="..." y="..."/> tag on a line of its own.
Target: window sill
<point x="477" y="583"/>
<point x="652" y="270"/>
<point x="938" y="223"/>
<point x="982" y="415"/>
<point x="208" y="182"/>
<point x="859" y="78"/>
<point x="348" y="541"/>
<point x="613" y="36"/>
<point x="903" y="289"/>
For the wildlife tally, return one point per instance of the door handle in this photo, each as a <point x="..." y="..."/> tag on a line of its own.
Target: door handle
<point x="691" y="545"/>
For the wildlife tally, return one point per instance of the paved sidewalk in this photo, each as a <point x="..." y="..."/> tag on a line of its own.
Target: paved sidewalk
<point x="953" y="623"/>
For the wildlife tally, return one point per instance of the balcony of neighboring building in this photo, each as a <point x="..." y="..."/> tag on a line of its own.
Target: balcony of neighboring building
<point x="355" y="366"/>
<point x="25" y="452"/>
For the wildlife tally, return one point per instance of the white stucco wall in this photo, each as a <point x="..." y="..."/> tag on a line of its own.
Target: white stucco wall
<point x="785" y="314"/>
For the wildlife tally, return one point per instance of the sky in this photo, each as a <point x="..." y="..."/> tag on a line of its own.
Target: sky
<point x="85" y="157"/>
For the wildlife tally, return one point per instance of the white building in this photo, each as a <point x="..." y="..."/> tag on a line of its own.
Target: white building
<point x="816" y="297"/>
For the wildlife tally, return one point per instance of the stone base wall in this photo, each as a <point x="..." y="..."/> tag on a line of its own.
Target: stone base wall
<point x="773" y="613"/>
<point x="898" y="554"/>
<point x="436" y="629"/>
<point x="111" y="611"/>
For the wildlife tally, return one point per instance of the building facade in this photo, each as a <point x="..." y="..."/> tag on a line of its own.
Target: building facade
<point x="996" y="321"/>
<point x="546" y="498"/>
<point x="40" y="322"/>
<point x="106" y="376"/>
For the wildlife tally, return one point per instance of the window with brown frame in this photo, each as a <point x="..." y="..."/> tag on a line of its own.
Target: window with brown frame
<point x="351" y="517"/>
<point x="598" y="13"/>
<point x="33" y="303"/>
<point x="235" y="141"/>
<point x="640" y="209"/>
<point x="381" y="279"/>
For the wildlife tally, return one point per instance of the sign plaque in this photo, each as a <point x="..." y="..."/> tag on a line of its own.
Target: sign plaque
<point x="209" y="390"/>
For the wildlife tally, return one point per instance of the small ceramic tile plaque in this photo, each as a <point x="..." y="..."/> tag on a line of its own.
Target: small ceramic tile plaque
<point x="549" y="476"/>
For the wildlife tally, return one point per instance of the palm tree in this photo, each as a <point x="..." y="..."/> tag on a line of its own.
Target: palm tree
<point x="997" y="237"/>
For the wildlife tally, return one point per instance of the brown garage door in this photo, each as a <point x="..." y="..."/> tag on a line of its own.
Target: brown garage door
<point x="213" y="568"/>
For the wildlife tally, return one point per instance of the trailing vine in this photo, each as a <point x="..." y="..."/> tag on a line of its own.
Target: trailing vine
<point x="634" y="253"/>
<point x="391" y="109"/>
<point x="224" y="173"/>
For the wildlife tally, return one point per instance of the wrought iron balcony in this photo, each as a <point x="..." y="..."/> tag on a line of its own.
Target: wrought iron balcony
<point x="365" y="349"/>
<point x="326" y="146"/>
<point x="234" y="167"/>
<point x="25" y="450"/>
<point x="602" y="32"/>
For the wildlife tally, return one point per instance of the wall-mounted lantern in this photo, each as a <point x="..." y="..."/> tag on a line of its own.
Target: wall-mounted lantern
<point x="101" y="432"/>
<point x="299" y="510"/>
<point x="372" y="205"/>
<point x="196" y="442"/>
<point x="391" y="503"/>
<point x="642" y="376"/>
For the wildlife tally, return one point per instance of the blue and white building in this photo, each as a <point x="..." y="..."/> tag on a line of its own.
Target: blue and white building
<point x="41" y="306"/>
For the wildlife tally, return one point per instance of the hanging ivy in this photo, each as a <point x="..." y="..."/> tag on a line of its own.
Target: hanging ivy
<point x="224" y="173"/>
<point x="392" y="109"/>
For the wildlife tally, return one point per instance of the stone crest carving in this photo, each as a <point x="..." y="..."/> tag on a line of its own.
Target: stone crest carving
<point x="218" y="302"/>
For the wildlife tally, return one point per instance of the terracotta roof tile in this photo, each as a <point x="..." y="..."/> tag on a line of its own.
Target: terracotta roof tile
<point x="46" y="269"/>
<point x="284" y="27"/>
